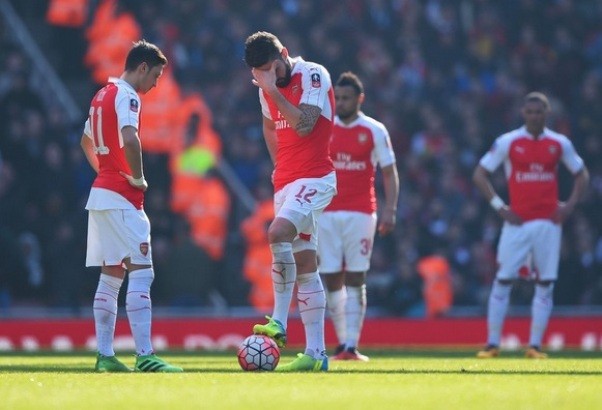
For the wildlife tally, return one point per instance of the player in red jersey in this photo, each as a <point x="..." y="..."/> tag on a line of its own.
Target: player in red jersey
<point x="533" y="221"/>
<point x="118" y="228"/>
<point x="297" y="102"/>
<point x="348" y="225"/>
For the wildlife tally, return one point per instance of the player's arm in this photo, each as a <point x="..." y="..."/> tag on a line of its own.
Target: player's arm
<point x="480" y="178"/>
<point x="269" y="134"/>
<point x="580" y="183"/>
<point x="389" y="214"/>
<point x="133" y="155"/>
<point x="88" y="147"/>
<point x="302" y="118"/>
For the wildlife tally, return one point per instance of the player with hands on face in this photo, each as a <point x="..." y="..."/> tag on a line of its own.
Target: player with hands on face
<point x="297" y="104"/>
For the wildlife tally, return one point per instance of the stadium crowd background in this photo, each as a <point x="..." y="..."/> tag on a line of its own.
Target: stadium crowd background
<point x="445" y="77"/>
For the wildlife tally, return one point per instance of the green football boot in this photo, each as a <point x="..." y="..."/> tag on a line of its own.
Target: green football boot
<point x="305" y="363"/>
<point x="153" y="364"/>
<point x="110" y="364"/>
<point x="273" y="329"/>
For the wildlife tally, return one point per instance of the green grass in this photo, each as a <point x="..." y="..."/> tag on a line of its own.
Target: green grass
<point x="391" y="380"/>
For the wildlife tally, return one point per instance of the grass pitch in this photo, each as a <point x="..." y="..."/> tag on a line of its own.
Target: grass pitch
<point x="391" y="380"/>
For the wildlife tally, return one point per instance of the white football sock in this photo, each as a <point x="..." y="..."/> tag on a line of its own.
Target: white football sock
<point x="499" y="298"/>
<point x="541" y="308"/>
<point x="312" y="305"/>
<point x="105" y="312"/>
<point x="355" y="311"/>
<point x="139" y="308"/>
<point x="335" y="301"/>
<point x="284" y="273"/>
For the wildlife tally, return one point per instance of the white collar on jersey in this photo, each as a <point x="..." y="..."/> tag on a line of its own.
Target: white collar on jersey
<point x="120" y="81"/>
<point x="340" y="123"/>
<point x="546" y="131"/>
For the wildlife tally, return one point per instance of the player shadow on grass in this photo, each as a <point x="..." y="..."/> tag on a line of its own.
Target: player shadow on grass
<point x="80" y="369"/>
<point x="44" y="369"/>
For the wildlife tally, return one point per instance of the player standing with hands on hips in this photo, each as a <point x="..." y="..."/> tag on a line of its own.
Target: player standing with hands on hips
<point x="533" y="221"/>
<point x="118" y="228"/>
<point x="297" y="103"/>
<point x="348" y="225"/>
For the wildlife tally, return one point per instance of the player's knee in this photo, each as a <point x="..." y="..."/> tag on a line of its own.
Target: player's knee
<point x="544" y="290"/>
<point x="306" y="261"/>
<point x="281" y="230"/>
<point x="142" y="277"/>
<point x="355" y="279"/>
<point x="333" y="281"/>
<point x="504" y="282"/>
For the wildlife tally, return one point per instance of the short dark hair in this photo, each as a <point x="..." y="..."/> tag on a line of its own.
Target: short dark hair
<point x="262" y="47"/>
<point x="144" y="52"/>
<point x="537" y="96"/>
<point x="350" y="79"/>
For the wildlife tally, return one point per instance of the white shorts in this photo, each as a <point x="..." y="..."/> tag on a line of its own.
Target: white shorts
<point x="538" y="239"/>
<point x="116" y="234"/>
<point x="301" y="202"/>
<point x="346" y="240"/>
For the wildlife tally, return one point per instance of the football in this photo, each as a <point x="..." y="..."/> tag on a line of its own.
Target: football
<point x="258" y="352"/>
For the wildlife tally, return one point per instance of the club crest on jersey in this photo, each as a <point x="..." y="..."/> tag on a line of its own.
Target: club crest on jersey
<point x="144" y="248"/>
<point x="552" y="149"/>
<point x="134" y="105"/>
<point x="315" y="80"/>
<point x="362" y="138"/>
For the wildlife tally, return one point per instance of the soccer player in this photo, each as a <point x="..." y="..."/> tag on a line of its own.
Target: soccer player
<point x="348" y="225"/>
<point x="533" y="221"/>
<point x="297" y="103"/>
<point x="118" y="228"/>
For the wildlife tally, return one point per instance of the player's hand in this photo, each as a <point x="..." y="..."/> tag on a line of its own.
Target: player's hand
<point x="139" y="183"/>
<point x="387" y="222"/>
<point x="563" y="211"/>
<point x="509" y="216"/>
<point x="265" y="79"/>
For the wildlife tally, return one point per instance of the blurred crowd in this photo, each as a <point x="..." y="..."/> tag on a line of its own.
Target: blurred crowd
<point x="445" y="76"/>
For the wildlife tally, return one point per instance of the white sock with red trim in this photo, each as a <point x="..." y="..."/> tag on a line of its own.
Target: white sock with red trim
<point x="105" y="312"/>
<point x="541" y="309"/>
<point x="499" y="298"/>
<point x="312" y="305"/>
<point x="355" y="311"/>
<point x="335" y="301"/>
<point x="139" y="308"/>
<point x="284" y="273"/>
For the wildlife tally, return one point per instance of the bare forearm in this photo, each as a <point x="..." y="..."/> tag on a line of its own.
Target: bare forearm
<point x="133" y="155"/>
<point x="481" y="180"/>
<point x="291" y="113"/>
<point x="391" y="185"/>
<point x="302" y="118"/>
<point x="579" y="187"/>
<point x="88" y="148"/>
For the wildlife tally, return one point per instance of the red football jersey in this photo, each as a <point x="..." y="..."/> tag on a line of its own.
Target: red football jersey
<point x="531" y="167"/>
<point x="302" y="157"/>
<point x="356" y="149"/>
<point x="113" y="107"/>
